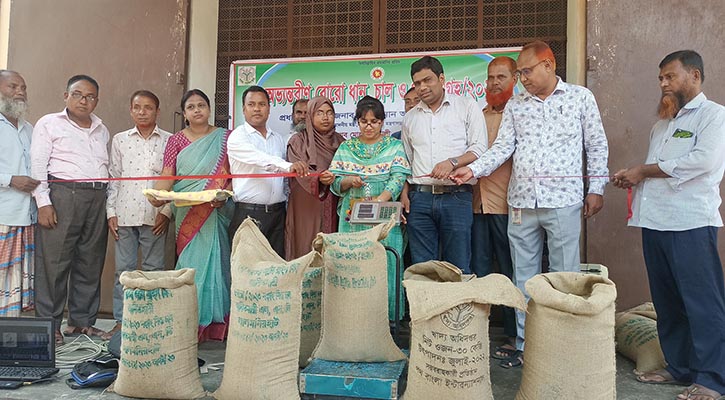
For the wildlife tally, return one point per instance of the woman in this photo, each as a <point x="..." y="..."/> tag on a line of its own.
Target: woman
<point x="372" y="167"/>
<point x="202" y="241"/>
<point x="310" y="208"/>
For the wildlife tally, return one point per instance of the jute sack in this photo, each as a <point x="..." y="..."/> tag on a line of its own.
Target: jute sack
<point x="355" y="298"/>
<point x="159" y="336"/>
<point x="637" y="339"/>
<point x="433" y="271"/>
<point x="262" y="356"/>
<point x="569" y="349"/>
<point x="311" y="313"/>
<point x="449" y="350"/>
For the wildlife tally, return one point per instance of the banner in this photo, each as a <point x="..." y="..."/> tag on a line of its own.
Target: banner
<point x="346" y="79"/>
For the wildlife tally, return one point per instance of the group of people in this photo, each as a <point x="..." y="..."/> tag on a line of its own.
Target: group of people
<point x="476" y="186"/>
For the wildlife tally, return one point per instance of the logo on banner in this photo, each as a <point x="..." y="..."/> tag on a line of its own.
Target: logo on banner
<point x="377" y="73"/>
<point x="247" y="75"/>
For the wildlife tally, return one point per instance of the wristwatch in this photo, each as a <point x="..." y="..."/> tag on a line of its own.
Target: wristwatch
<point x="454" y="161"/>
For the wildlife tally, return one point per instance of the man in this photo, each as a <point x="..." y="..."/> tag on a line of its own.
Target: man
<point x="67" y="148"/>
<point x="442" y="132"/>
<point x="490" y="209"/>
<point x="410" y="100"/>
<point x="545" y="129"/>
<point x="299" y="115"/>
<point x="253" y="148"/>
<point x="676" y="200"/>
<point x="132" y="220"/>
<point x="17" y="214"/>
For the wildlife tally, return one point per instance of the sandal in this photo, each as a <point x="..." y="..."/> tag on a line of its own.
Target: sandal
<point x="515" y="361"/>
<point x="108" y="335"/>
<point x="503" y="352"/>
<point x="92" y="331"/>
<point x="72" y="331"/>
<point x="699" y="392"/>
<point x="59" y="339"/>
<point x="659" y="377"/>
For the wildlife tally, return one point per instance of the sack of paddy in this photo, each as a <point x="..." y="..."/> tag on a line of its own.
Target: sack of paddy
<point x="433" y="271"/>
<point x="637" y="339"/>
<point x="569" y="349"/>
<point x="263" y="345"/>
<point x="355" y="298"/>
<point x="159" y="336"/>
<point x="449" y="350"/>
<point x="311" y="313"/>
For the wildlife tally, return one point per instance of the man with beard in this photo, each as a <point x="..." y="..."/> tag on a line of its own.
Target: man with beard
<point x="17" y="213"/>
<point x="490" y="209"/>
<point x="299" y="115"/>
<point x="545" y="129"/>
<point x="68" y="147"/>
<point x="676" y="200"/>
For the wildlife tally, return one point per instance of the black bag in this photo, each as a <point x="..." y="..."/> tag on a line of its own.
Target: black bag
<point x="93" y="373"/>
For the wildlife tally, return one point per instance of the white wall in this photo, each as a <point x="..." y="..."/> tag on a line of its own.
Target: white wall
<point x="201" y="59"/>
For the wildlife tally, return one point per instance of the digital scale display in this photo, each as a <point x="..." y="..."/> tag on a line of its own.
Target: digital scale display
<point x="375" y="212"/>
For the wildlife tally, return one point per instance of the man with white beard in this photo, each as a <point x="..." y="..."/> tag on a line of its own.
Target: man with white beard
<point x="18" y="213"/>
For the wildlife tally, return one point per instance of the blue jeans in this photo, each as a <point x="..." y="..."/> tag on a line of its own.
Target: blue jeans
<point x="439" y="228"/>
<point x="686" y="282"/>
<point x="489" y="241"/>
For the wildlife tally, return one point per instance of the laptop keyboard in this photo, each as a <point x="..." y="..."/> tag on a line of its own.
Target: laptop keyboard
<point x="25" y="373"/>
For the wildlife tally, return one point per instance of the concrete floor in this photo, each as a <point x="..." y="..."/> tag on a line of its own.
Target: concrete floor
<point x="505" y="382"/>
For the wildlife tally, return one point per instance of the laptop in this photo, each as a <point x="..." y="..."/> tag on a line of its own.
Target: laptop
<point x="27" y="349"/>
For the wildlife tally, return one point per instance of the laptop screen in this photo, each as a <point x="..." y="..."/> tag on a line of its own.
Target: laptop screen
<point x="27" y="342"/>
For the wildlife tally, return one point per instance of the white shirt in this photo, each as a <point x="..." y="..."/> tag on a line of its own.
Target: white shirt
<point x="18" y="208"/>
<point x="691" y="149"/>
<point x="133" y="156"/>
<point x="455" y="128"/>
<point x="251" y="153"/>
<point x="546" y="138"/>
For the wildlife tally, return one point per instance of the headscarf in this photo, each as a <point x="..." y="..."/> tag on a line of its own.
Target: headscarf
<point x="316" y="148"/>
<point x="313" y="147"/>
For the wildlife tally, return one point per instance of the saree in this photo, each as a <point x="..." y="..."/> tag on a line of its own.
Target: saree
<point x="202" y="240"/>
<point x="384" y="167"/>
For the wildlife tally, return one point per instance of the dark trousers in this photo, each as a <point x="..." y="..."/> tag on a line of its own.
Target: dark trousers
<point x="686" y="281"/>
<point x="441" y="222"/>
<point x="270" y="220"/>
<point x="489" y="242"/>
<point x="69" y="258"/>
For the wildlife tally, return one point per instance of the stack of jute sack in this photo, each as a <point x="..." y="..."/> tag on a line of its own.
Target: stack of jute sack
<point x="637" y="339"/>
<point x="354" y="298"/>
<point x="569" y="349"/>
<point x="159" y="336"/>
<point x="449" y="352"/>
<point x="263" y="345"/>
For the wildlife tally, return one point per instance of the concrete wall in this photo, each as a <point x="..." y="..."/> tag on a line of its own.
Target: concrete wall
<point x="125" y="45"/>
<point x="201" y="65"/>
<point x="626" y="40"/>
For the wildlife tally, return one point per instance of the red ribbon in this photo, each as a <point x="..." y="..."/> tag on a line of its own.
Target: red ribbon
<point x="179" y="178"/>
<point x="629" y="203"/>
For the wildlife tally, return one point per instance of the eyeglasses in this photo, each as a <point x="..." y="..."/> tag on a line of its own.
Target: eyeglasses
<point x="528" y="71"/>
<point x="89" y="97"/>
<point x="328" y="114"/>
<point x="369" y="123"/>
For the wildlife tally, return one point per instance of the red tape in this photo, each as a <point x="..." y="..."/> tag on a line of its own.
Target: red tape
<point x="185" y="177"/>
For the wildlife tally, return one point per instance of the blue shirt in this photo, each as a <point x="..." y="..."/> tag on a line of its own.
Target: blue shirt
<point x="18" y="208"/>
<point x="690" y="149"/>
